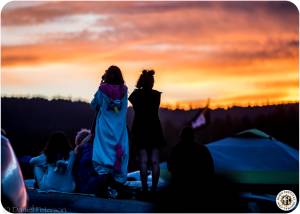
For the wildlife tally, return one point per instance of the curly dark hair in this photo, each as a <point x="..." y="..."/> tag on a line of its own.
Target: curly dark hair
<point x="146" y="80"/>
<point x="113" y="76"/>
<point x="57" y="148"/>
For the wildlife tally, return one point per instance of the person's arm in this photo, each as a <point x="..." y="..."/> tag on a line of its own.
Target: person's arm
<point x="39" y="165"/>
<point x="40" y="160"/>
<point x="97" y="101"/>
<point x="132" y="97"/>
<point x="125" y="103"/>
<point x="157" y="98"/>
<point x="71" y="161"/>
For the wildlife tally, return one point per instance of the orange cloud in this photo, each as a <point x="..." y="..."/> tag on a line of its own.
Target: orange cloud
<point x="224" y="50"/>
<point x="294" y="83"/>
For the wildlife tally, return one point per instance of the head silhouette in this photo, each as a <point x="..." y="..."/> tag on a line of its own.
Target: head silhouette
<point x="146" y="80"/>
<point x="57" y="148"/>
<point x="83" y="136"/>
<point x="187" y="135"/>
<point x="113" y="76"/>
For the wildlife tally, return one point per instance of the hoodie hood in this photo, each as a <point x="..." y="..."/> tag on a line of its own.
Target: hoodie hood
<point x="114" y="92"/>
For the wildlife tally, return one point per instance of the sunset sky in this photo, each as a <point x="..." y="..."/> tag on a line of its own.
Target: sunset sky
<point x="231" y="52"/>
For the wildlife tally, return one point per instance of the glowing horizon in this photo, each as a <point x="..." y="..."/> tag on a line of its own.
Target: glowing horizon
<point x="235" y="53"/>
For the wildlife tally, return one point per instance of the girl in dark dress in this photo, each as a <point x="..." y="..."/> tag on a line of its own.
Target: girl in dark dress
<point x="147" y="133"/>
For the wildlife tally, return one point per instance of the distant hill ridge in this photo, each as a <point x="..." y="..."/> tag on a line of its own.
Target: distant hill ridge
<point x="29" y="121"/>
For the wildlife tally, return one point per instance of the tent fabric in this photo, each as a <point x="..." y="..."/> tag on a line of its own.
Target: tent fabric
<point x="254" y="133"/>
<point x="252" y="156"/>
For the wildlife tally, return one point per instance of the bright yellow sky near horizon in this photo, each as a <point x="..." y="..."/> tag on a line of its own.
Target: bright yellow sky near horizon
<point x="231" y="52"/>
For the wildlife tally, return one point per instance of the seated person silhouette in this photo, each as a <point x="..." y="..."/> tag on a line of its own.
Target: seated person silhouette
<point x="53" y="168"/>
<point x="192" y="170"/>
<point x="194" y="185"/>
<point x="190" y="161"/>
<point x="86" y="178"/>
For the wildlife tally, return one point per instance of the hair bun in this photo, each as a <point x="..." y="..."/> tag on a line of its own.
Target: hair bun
<point x="151" y="72"/>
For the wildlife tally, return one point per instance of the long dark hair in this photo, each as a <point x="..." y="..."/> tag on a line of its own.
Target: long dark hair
<point x="57" y="148"/>
<point x="146" y="80"/>
<point x="113" y="76"/>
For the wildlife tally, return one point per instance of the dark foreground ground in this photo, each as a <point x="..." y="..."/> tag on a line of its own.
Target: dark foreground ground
<point x="164" y="202"/>
<point x="63" y="202"/>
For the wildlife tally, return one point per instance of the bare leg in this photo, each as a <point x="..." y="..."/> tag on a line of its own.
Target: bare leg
<point x="155" y="168"/>
<point x="143" y="168"/>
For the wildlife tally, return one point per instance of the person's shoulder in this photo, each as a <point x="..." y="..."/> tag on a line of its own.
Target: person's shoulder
<point x="98" y="93"/>
<point x="42" y="156"/>
<point x="201" y="149"/>
<point x="156" y="93"/>
<point x="39" y="160"/>
<point x="136" y="92"/>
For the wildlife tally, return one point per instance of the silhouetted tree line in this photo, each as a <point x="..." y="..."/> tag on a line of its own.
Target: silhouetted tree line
<point x="29" y="122"/>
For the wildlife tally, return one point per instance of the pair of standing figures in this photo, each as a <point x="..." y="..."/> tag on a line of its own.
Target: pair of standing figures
<point x="110" y="145"/>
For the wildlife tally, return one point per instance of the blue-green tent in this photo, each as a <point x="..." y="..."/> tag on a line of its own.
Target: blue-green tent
<point x="254" y="157"/>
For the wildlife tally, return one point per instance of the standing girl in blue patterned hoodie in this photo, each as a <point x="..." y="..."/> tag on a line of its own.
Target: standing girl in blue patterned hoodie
<point x="110" y="146"/>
